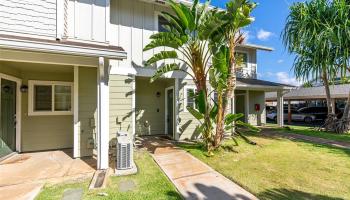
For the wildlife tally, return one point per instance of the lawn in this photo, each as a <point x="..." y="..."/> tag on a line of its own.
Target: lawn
<point x="278" y="168"/>
<point x="150" y="183"/>
<point x="310" y="131"/>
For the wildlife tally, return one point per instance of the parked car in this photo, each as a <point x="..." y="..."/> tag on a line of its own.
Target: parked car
<point x="296" y="116"/>
<point x="319" y="112"/>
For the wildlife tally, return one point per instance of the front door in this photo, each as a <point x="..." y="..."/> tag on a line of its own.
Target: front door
<point x="7" y="117"/>
<point x="169" y="111"/>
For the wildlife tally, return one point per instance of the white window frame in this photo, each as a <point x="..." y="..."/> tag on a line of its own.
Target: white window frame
<point x="185" y="96"/>
<point x="156" y="20"/>
<point x="32" y="112"/>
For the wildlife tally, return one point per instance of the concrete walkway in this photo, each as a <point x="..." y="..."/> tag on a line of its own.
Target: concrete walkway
<point x="23" y="175"/>
<point x="193" y="179"/>
<point x="339" y="144"/>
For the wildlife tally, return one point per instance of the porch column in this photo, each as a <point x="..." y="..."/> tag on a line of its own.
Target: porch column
<point x="76" y="125"/>
<point x="246" y="104"/>
<point x="289" y="113"/>
<point x="176" y="108"/>
<point x="103" y="114"/>
<point x="280" y="119"/>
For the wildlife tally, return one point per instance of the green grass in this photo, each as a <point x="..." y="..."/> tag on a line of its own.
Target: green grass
<point x="278" y="168"/>
<point x="310" y="131"/>
<point x="151" y="184"/>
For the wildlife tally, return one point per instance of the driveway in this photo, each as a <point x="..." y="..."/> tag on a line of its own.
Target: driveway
<point x="23" y="175"/>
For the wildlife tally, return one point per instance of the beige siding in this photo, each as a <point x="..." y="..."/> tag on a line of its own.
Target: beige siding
<point x="149" y="107"/>
<point x="187" y="123"/>
<point x="257" y="117"/>
<point x="120" y="104"/>
<point x="87" y="109"/>
<point x="45" y="132"/>
<point x="25" y="16"/>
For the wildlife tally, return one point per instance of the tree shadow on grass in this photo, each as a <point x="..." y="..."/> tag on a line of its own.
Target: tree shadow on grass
<point x="329" y="148"/>
<point x="285" y="194"/>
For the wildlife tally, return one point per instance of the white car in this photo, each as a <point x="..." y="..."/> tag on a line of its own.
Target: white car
<point x="296" y="116"/>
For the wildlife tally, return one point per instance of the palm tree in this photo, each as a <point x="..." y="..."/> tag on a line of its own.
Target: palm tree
<point x="186" y="37"/>
<point x="306" y="34"/>
<point x="318" y="33"/>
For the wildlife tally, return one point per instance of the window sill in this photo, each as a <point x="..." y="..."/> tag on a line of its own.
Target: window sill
<point x="57" y="113"/>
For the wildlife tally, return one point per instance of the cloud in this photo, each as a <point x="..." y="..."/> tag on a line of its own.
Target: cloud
<point x="283" y="77"/>
<point x="264" y="35"/>
<point x="280" y="61"/>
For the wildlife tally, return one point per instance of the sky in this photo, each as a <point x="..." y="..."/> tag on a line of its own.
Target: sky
<point x="270" y="17"/>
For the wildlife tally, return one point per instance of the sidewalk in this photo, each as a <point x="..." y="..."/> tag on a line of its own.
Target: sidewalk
<point x="339" y="144"/>
<point x="193" y="179"/>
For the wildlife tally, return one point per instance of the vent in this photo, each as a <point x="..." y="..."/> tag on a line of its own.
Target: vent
<point x="124" y="156"/>
<point x="124" y="152"/>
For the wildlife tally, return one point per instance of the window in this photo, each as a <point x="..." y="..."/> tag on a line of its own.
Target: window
<point x="50" y="98"/>
<point x="242" y="58"/>
<point x="190" y="97"/>
<point x="160" y="23"/>
<point x="215" y="96"/>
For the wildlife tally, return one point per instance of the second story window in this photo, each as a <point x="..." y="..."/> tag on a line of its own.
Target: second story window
<point x="243" y="59"/>
<point x="161" y="22"/>
<point x="190" y="97"/>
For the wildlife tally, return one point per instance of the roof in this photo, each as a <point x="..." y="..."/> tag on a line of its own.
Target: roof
<point x="337" y="91"/>
<point x="61" y="46"/>
<point x="246" y="83"/>
<point x="254" y="46"/>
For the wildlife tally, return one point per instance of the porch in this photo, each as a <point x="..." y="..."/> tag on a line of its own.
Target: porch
<point x="56" y="97"/>
<point x="26" y="173"/>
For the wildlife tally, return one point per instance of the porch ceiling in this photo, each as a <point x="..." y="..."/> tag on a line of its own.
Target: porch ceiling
<point x="37" y="67"/>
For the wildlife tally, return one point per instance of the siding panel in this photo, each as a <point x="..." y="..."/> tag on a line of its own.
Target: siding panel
<point x="24" y="16"/>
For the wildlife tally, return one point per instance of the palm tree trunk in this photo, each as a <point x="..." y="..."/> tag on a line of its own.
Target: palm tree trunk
<point x="328" y="93"/>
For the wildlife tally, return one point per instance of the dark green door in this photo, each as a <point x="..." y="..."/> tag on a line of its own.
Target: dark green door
<point x="7" y="117"/>
<point x="170" y="112"/>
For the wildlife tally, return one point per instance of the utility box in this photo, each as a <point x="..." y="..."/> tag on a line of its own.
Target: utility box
<point x="124" y="160"/>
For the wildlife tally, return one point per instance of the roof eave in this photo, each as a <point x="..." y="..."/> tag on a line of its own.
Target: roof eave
<point x="259" y="47"/>
<point x="60" y="49"/>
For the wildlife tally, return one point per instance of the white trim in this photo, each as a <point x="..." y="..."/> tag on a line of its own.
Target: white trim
<point x="156" y="20"/>
<point x="76" y="122"/>
<point x="107" y="21"/>
<point x="133" y="106"/>
<point x="176" y="107"/>
<point x="31" y="84"/>
<point x="60" y="49"/>
<point x="103" y="112"/>
<point x="166" y="109"/>
<point x="59" y="19"/>
<point x="185" y="95"/>
<point x="18" y="107"/>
